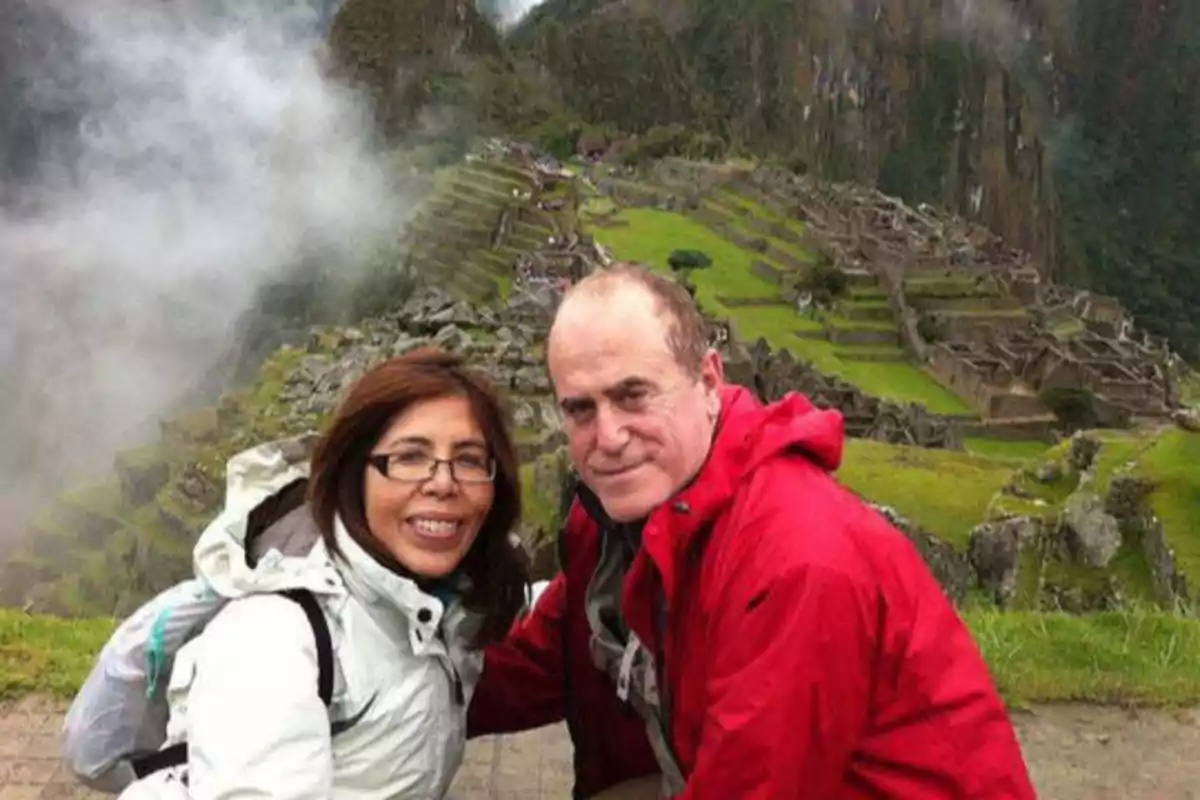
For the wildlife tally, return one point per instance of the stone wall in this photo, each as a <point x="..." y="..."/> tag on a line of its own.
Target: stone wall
<point x="772" y="374"/>
<point x="983" y="381"/>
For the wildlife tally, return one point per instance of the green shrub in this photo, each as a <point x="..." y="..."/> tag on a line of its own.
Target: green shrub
<point x="1074" y="407"/>
<point x="930" y="328"/>
<point x="688" y="259"/>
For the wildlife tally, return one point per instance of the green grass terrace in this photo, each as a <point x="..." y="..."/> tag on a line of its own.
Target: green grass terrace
<point x="734" y="288"/>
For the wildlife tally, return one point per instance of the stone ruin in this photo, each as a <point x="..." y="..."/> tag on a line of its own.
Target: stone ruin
<point x="838" y="216"/>
<point x="1071" y="550"/>
<point x="1007" y="335"/>
<point x="1005" y="377"/>
<point x="773" y="374"/>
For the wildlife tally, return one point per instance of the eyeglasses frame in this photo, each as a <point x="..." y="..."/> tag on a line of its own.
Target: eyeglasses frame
<point x="380" y="462"/>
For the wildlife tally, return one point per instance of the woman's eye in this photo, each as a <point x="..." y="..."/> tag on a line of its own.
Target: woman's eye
<point x="472" y="461"/>
<point x="409" y="458"/>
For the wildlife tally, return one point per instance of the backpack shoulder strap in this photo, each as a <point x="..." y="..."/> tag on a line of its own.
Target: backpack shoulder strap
<point x="177" y="754"/>
<point x="320" y="626"/>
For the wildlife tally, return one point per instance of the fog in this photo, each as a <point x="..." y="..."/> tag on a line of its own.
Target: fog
<point x="211" y="157"/>
<point x="507" y="12"/>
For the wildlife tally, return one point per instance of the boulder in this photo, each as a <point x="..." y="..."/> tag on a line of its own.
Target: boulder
<point x="995" y="554"/>
<point x="1126" y="498"/>
<point x="1188" y="419"/>
<point x="1084" y="449"/>
<point x="1092" y="535"/>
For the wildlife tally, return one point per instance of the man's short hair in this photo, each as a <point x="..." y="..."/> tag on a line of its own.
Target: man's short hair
<point x="686" y="334"/>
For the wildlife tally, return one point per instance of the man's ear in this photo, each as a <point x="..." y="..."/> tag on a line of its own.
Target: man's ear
<point x="712" y="370"/>
<point x="712" y="375"/>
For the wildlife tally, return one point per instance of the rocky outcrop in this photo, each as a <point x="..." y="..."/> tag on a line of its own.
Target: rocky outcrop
<point x="106" y="549"/>
<point x="1092" y="534"/>
<point x="1188" y="419"/>
<point x="1128" y="503"/>
<point x="393" y="50"/>
<point x="994" y="551"/>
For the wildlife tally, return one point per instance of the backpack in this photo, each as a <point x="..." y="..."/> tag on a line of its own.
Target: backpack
<point x="117" y="723"/>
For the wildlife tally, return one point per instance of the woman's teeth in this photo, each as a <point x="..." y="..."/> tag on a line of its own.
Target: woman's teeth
<point x="436" y="527"/>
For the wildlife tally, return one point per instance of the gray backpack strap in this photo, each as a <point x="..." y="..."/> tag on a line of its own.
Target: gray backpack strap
<point x="177" y="754"/>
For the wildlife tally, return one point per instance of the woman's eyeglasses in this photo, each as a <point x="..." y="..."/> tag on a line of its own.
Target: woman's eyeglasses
<point x="420" y="467"/>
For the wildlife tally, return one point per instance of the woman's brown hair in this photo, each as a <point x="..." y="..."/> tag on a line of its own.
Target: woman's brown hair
<point x="494" y="566"/>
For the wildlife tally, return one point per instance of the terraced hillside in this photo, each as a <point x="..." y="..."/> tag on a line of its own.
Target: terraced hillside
<point x="926" y="308"/>
<point x="485" y="214"/>
<point x="757" y="254"/>
<point x="501" y="236"/>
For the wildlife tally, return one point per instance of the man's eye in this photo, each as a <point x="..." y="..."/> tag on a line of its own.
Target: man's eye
<point x="632" y="398"/>
<point x="579" y="415"/>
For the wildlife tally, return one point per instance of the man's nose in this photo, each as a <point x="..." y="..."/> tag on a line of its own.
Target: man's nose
<point x="611" y="433"/>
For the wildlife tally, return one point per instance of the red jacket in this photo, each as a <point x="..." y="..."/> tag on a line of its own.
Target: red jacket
<point x="809" y="652"/>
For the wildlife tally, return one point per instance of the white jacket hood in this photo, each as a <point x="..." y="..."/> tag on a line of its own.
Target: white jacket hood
<point x="251" y="478"/>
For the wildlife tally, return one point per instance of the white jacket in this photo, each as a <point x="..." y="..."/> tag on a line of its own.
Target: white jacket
<point x="244" y="696"/>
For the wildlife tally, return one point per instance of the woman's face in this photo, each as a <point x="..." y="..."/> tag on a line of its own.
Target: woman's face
<point x="429" y="524"/>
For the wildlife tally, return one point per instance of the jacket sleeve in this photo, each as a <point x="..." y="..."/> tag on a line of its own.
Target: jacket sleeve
<point x="522" y="683"/>
<point x="256" y="726"/>
<point x="788" y="687"/>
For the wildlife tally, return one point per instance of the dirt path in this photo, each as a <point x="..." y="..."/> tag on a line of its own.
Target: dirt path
<point x="1075" y="753"/>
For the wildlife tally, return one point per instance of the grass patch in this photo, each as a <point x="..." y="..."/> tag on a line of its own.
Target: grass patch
<point x="537" y="509"/>
<point x="944" y="491"/>
<point x="1136" y="657"/>
<point x="733" y="199"/>
<point x="650" y="235"/>
<point x="845" y="323"/>
<point x="1068" y="329"/>
<point x="47" y="655"/>
<point x="898" y="381"/>
<point x="598" y="205"/>
<point x="1119" y="452"/>
<point x="1011" y="450"/>
<point x="1173" y="465"/>
<point x="739" y="221"/>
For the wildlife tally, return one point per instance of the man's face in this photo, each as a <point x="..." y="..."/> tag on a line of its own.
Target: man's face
<point x="638" y="425"/>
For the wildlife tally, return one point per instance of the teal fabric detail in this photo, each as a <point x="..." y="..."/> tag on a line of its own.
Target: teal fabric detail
<point x="445" y="589"/>
<point x="156" y="655"/>
<point x="444" y="592"/>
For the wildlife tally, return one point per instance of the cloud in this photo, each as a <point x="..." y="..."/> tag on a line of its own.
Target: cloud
<point x="507" y="12"/>
<point x="210" y="157"/>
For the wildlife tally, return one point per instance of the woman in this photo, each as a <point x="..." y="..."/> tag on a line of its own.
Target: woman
<point x="401" y="533"/>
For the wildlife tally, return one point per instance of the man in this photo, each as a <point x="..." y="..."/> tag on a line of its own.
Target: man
<point x="727" y="615"/>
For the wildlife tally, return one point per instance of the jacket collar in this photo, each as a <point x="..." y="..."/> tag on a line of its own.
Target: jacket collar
<point x="396" y="602"/>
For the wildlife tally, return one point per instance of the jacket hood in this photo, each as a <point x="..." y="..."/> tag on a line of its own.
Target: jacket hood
<point x="750" y="432"/>
<point x="219" y="558"/>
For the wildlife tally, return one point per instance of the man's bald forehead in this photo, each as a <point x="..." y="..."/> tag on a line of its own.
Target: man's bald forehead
<point x="637" y="293"/>
<point x="610" y="295"/>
